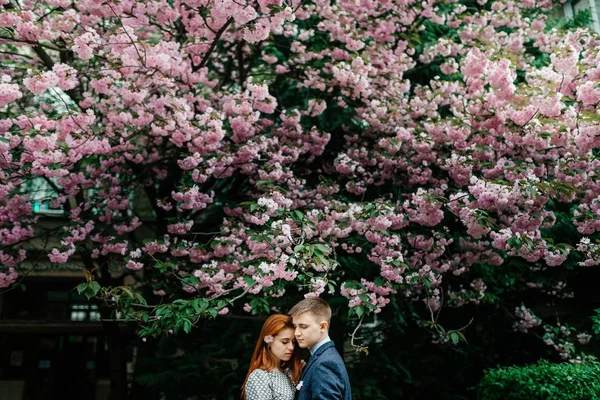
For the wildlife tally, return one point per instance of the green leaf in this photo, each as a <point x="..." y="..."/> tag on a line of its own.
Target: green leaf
<point x="127" y="291"/>
<point x="187" y="325"/>
<point x="360" y="310"/>
<point x="364" y="298"/>
<point x="322" y="248"/>
<point x="81" y="287"/>
<point x="331" y="288"/>
<point x="192" y="280"/>
<point x="199" y="305"/>
<point x="379" y="281"/>
<point x="140" y="299"/>
<point x="454" y="337"/>
<point x="89" y="292"/>
<point x="95" y="286"/>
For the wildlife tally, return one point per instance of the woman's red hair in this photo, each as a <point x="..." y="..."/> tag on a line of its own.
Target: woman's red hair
<point x="262" y="357"/>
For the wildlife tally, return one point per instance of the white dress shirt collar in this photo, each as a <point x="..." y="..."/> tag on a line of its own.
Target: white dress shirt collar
<point x="319" y="344"/>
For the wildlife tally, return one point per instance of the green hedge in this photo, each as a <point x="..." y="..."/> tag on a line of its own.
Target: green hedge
<point x="543" y="381"/>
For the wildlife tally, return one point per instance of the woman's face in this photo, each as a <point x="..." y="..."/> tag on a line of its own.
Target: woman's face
<point x="283" y="344"/>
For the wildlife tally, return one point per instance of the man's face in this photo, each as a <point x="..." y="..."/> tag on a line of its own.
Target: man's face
<point x="309" y="330"/>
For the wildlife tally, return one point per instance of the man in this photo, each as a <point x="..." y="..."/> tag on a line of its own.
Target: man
<point x="325" y="376"/>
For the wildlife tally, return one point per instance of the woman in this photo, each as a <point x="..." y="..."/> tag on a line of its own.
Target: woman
<point x="275" y="366"/>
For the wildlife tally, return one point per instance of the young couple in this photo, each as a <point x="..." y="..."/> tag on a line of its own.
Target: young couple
<point x="276" y="370"/>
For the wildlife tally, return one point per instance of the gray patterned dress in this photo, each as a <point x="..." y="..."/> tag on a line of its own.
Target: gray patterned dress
<point x="269" y="385"/>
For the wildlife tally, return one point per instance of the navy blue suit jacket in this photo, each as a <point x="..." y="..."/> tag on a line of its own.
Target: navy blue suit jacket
<point x="325" y="376"/>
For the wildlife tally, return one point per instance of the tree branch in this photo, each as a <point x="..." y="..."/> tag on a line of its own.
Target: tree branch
<point x="213" y="45"/>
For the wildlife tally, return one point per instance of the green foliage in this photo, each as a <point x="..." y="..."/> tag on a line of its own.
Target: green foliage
<point x="90" y="288"/>
<point x="596" y="322"/>
<point x="542" y="381"/>
<point x="580" y="20"/>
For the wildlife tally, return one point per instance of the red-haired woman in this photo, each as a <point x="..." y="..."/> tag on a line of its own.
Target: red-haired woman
<point x="275" y="367"/>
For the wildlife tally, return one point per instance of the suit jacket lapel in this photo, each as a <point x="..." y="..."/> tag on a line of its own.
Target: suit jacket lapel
<point x="314" y="357"/>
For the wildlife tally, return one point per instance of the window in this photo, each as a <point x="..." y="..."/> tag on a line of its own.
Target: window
<point x="41" y="195"/>
<point x="71" y="306"/>
<point x="85" y="312"/>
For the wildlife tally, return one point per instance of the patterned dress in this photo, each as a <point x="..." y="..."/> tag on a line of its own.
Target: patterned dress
<point x="269" y="385"/>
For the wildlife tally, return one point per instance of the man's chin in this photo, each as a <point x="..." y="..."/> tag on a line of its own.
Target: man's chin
<point x="302" y="345"/>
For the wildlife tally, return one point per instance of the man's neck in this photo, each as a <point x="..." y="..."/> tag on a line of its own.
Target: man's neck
<point x="318" y="344"/>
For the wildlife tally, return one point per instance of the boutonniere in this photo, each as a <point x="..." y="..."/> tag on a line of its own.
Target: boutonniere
<point x="299" y="385"/>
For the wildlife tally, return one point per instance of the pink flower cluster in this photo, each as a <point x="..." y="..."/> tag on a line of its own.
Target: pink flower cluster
<point x="8" y="92"/>
<point x="8" y="278"/>
<point x="40" y="83"/>
<point x="565" y="340"/>
<point x="526" y="319"/>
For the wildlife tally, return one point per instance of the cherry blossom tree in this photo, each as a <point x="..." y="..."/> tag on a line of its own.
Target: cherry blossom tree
<point x="229" y="150"/>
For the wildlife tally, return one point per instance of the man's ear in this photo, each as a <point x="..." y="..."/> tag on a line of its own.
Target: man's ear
<point x="324" y="325"/>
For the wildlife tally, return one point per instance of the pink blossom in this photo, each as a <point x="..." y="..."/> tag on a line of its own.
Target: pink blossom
<point x="180" y="228"/>
<point x="260" y="31"/>
<point x="56" y="256"/>
<point x="8" y="92"/>
<point x="223" y="311"/>
<point x="268" y="339"/>
<point x="266" y="4"/>
<point x="475" y="64"/>
<point x="527" y="319"/>
<point x="67" y="76"/>
<point x="589" y="93"/>
<point x="134" y="266"/>
<point x="40" y="83"/>
<point x="85" y="44"/>
<point x="7" y="279"/>
<point x="192" y="199"/>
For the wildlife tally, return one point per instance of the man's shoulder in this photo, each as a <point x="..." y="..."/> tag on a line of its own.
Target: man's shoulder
<point x="330" y="352"/>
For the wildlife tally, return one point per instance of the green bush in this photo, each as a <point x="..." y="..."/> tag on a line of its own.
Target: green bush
<point x="542" y="381"/>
